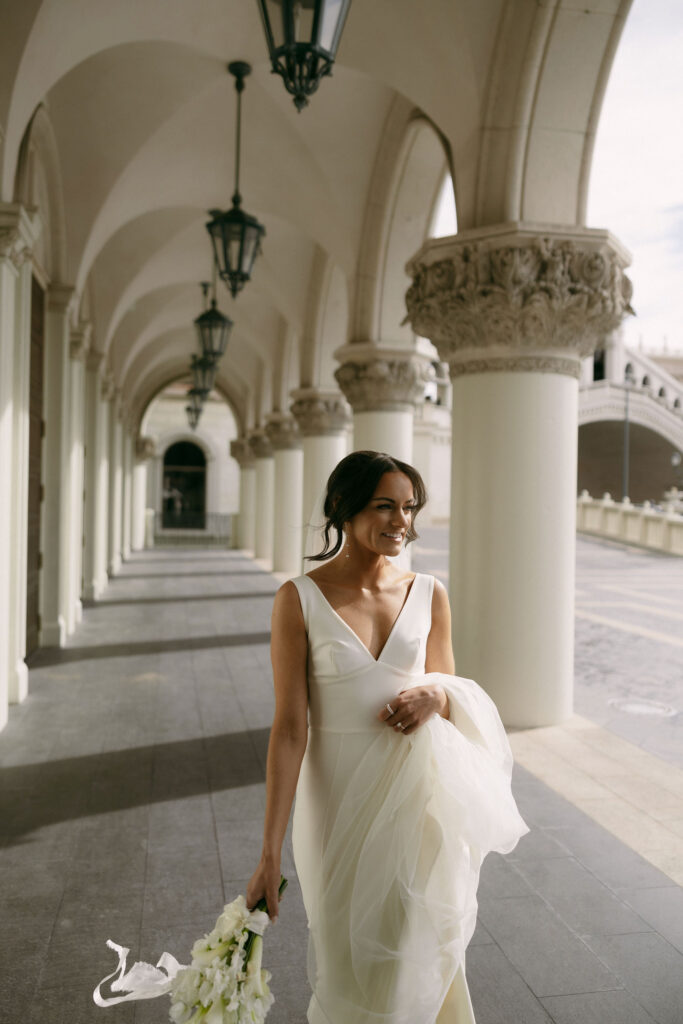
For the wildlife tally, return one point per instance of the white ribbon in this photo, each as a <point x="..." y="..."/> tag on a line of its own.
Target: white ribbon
<point x="142" y="981"/>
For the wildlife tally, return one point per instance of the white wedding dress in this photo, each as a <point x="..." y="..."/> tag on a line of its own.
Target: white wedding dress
<point x="390" y="830"/>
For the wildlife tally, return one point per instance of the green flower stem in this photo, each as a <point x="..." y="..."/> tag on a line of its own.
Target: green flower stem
<point x="261" y="905"/>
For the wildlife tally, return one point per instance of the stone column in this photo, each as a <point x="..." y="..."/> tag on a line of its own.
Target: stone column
<point x="283" y="435"/>
<point x="126" y="490"/>
<point x="265" y="494"/>
<point x="245" y="534"/>
<point x="18" y="232"/>
<point x="96" y="452"/>
<point x="323" y="418"/>
<point x="513" y="309"/>
<point x="382" y="385"/>
<point x="115" y="483"/>
<point x="145" y="450"/>
<point x="72" y="556"/>
<point x="55" y="530"/>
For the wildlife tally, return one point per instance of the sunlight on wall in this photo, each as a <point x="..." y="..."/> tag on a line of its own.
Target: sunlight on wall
<point x="444" y="219"/>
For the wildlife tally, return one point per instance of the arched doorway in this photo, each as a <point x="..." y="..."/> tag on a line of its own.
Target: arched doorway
<point x="184" y="497"/>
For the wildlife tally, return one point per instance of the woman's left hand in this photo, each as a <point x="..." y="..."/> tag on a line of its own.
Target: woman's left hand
<point x="412" y="708"/>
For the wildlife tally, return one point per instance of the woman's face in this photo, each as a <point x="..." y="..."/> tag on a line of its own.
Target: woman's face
<point x="383" y="523"/>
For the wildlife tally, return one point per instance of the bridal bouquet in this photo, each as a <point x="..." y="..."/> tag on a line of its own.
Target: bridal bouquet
<point x="224" y="984"/>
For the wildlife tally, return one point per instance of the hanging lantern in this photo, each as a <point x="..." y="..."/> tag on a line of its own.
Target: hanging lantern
<point x="235" y="235"/>
<point x="193" y="416"/>
<point x="303" y="39"/>
<point x="213" y="328"/>
<point x="203" y="375"/>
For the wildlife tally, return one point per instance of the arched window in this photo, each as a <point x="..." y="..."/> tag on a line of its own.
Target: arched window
<point x="184" y="487"/>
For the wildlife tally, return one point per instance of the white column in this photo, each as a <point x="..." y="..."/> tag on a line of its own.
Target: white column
<point x="96" y="480"/>
<point x="283" y="435"/>
<point x="501" y="308"/>
<point x="144" y="452"/>
<point x="73" y="554"/>
<point x="382" y="386"/>
<point x="54" y="584"/>
<point x="264" y="495"/>
<point x="17" y="234"/>
<point x="126" y="491"/>
<point x="245" y="532"/>
<point x="101" y="505"/>
<point x="18" y="672"/>
<point x="323" y="418"/>
<point x="115" y="485"/>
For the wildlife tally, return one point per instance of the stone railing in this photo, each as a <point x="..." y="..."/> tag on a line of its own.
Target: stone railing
<point x="643" y="525"/>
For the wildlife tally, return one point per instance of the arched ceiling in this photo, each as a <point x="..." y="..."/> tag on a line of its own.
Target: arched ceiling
<point x="142" y="111"/>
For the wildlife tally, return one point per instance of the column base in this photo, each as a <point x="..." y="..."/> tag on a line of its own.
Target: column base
<point x="115" y="565"/>
<point x="78" y="611"/>
<point x="18" y="685"/>
<point x="53" y="634"/>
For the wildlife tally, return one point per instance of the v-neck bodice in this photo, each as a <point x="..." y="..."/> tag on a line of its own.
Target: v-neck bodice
<point x="347" y="685"/>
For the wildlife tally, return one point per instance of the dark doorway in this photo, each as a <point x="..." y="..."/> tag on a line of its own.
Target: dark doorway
<point x="34" y="465"/>
<point x="599" y="365"/>
<point x="184" y="487"/>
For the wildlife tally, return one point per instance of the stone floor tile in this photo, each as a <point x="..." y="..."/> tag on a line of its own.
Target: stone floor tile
<point x="608" y="859"/>
<point x="661" y="908"/>
<point x="618" y="1007"/>
<point x="649" y="968"/>
<point x="584" y="904"/>
<point x="549" y="956"/>
<point x="499" y="993"/>
<point x="500" y="879"/>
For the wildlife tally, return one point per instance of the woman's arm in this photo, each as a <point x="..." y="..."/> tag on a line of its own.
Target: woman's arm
<point x="288" y="736"/>
<point x="413" y="707"/>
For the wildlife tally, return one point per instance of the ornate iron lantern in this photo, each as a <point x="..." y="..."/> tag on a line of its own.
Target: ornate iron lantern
<point x="303" y="39"/>
<point x="193" y="416"/>
<point x="213" y="328"/>
<point x="236" y="235"/>
<point x="203" y="374"/>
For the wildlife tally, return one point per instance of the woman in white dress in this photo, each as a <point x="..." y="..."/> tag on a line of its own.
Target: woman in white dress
<point x="401" y="769"/>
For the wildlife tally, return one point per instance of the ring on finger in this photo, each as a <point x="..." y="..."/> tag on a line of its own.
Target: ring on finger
<point x="400" y="725"/>
<point x="390" y="709"/>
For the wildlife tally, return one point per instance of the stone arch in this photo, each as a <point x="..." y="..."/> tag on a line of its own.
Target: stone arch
<point x="413" y="158"/>
<point x="38" y="184"/>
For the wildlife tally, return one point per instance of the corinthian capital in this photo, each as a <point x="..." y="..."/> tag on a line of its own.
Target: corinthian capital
<point x="260" y="444"/>
<point x="145" y="447"/>
<point x="19" y="231"/>
<point x="282" y="431"/>
<point x="241" y="451"/>
<point x="381" y="379"/>
<point x="518" y="297"/>
<point x="320" y="413"/>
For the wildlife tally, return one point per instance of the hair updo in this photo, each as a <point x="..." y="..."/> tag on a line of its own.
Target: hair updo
<point x="350" y="488"/>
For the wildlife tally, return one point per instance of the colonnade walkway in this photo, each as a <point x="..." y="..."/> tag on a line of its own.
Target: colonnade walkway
<point x="132" y="799"/>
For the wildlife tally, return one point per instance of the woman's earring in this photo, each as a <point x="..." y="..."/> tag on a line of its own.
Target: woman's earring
<point x="347" y="545"/>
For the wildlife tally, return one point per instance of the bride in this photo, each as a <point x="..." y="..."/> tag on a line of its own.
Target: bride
<point x="401" y="769"/>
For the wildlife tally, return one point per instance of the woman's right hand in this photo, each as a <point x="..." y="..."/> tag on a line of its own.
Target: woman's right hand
<point x="265" y="882"/>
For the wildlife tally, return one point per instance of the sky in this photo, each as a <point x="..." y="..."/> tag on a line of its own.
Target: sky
<point x="636" y="185"/>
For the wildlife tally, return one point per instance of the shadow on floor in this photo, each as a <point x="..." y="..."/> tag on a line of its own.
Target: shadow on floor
<point x="48" y="656"/>
<point x="178" y="600"/>
<point x="34" y="796"/>
<point x="174" y="574"/>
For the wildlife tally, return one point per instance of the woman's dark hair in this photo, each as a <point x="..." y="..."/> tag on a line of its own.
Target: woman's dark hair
<point x="350" y="488"/>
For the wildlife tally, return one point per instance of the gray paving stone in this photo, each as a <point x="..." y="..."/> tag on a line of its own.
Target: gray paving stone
<point x="611" y="861"/>
<point x="584" y="904"/>
<point x="618" y="1007"/>
<point x="649" y="968"/>
<point x="550" y="957"/>
<point x="499" y="993"/>
<point x="662" y="909"/>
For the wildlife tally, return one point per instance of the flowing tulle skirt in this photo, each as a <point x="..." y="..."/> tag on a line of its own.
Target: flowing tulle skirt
<point x="389" y="836"/>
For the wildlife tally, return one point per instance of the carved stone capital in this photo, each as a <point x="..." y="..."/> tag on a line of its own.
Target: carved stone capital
<point x="260" y="444"/>
<point x="79" y="343"/>
<point x="145" y="448"/>
<point x="94" y="360"/>
<point x="320" y="413"/>
<point x="241" y="451"/>
<point x="19" y="230"/>
<point x="524" y="297"/>
<point x="382" y="379"/>
<point x="108" y="386"/>
<point x="282" y="431"/>
<point x="60" y="298"/>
